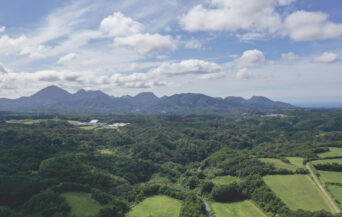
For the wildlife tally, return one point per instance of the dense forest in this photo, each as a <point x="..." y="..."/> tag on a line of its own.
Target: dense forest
<point x="176" y="156"/>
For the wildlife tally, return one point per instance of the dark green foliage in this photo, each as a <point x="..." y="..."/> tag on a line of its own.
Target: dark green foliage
<point x="118" y="208"/>
<point x="155" y="189"/>
<point x="329" y="167"/>
<point x="192" y="207"/>
<point x="46" y="204"/>
<point x="207" y="187"/>
<point x="228" y="193"/>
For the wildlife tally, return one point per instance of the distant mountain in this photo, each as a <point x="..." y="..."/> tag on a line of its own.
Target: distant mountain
<point x="55" y="99"/>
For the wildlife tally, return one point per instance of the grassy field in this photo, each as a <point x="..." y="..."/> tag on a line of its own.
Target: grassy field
<point x="81" y="204"/>
<point x="334" y="152"/>
<point x="88" y="127"/>
<point x="297" y="161"/>
<point x="339" y="161"/>
<point x="278" y="163"/>
<point x="24" y="121"/>
<point x="158" y="206"/>
<point x="298" y="192"/>
<point x="238" y="209"/>
<point x="225" y="180"/>
<point x="336" y="192"/>
<point x="329" y="176"/>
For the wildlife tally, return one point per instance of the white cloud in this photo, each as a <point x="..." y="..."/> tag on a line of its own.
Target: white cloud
<point x="3" y="70"/>
<point x="119" y="25"/>
<point x="244" y="74"/>
<point x="12" y="45"/>
<point x="2" y="29"/>
<point x="289" y="56"/>
<point x="328" y="57"/>
<point x="285" y="2"/>
<point x="306" y="26"/>
<point x="250" y="58"/>
<point x="67" y="58"/>
<point x="147" y="43"/>
<point x="193" y="44"/>
<point x="232" y="15"/>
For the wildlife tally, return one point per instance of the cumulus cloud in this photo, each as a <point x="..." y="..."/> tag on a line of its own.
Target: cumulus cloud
<point x="193" y="44"/>
<point x="67" y="58"/>
<point x="2" y="29"/>
<point x="250" y="58"/>
<point x="306" y="26"/>
<point x="232" y="15"/>
<point x="119" y="25"/>
<point x="285" y="2"/>
<point x="3" y="70"/>
<point x="244" y="74"/>
<point x="147" y="43"/>
<point x="12" y="45"/>
<point x="127" y="32"/>
<point x="289" y="56"/>
<point x="328" y="57"/>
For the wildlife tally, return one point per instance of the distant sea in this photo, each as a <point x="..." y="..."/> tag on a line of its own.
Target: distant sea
<point x="318" y="104"/>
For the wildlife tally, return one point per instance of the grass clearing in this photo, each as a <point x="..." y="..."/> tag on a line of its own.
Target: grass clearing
<point x="75" y="123"/>
<point x="237" y="209"/>
<point x="161" y="206"/>
<point x="278" y="163"/>
<point x="336" y="192"/>
<point x="298" y="192"/>
<point x="88" y="128"/>
<point x="297" y="161"/>
<point x="334" y="152"/>
<point x="225" y="180"/>
<point x="330" y="176"/>
<point x="25" y="121"/>
<point x="81" y="204"/>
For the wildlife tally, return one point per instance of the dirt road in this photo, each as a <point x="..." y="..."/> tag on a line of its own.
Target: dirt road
<point x="337" y="210"/>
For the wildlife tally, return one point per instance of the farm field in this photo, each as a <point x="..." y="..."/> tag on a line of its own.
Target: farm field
<point x="161" y="206"/>
<point x="339" y="161"/>
<point x="237" y="209"/>
<point x="336" y="192"/>
<point x="81" y="204"/>
<point x="225" y="180"/>
<point x="298" y="192"/>
<point x="330" y="176"/>
<point x="334" y="152"/>
<point x="297" y="161"/>
<point x="25" y="121"/>
<point x="278" y="163"/>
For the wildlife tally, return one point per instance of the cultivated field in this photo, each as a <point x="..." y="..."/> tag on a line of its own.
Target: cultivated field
<point x="298" y="192"/>
<point x="160" y="206"/>
<point x="329" y="176"/>
<point x="225" y="180"/>
<point x="81" y="204"/>
<point x="297" y="161"/>
<point x="334" y="152"/>
<point x="278" y="163"/>
<point x="237" y="209"/>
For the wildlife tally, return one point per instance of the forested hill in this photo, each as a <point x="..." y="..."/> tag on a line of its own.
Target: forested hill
<point x="55" y="99"/>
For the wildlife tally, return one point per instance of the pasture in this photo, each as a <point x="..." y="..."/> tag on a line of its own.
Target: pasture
<point x="336" y="192"/>
<point x="161" y="206"/>
<point x="225" y="180"/>
<point x="330" y="176"/>
<point x="298" y="192"/>
<point x="334" y="152"/>
<point x="277" y="163"/>
<point x="297" y="161"/>
<point x="81" y="204"/>
<point x="237" y="209"/>
<point x="25" y="121"/>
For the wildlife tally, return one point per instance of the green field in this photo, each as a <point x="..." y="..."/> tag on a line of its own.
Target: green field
<point x="329" y="176"/>
<point x="278" y="163"/>
<point x="24" y="121"/>
<point x="326" y="161"/>
<point x="158" y="206"/>
<point x="225" y="180"/>
<point x="334" y="152"/>
<point x="298" y="192"/>
<point x="297" y="161"/>
<point x="81" y="204"/>
<point x="237" y="209"/>
<point x="336" y="192"/>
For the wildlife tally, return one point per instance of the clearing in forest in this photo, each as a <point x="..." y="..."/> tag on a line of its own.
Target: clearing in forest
<point x="82" y="204"/>
<point x="297" y="161"/>
<point x="237" y="209"/>
<point x="161" y="206"/>
<point x="225" y="180"/>
<point x="298" y="192"/>
<point x="334" y="152"/>
<point x="279" y="164"/>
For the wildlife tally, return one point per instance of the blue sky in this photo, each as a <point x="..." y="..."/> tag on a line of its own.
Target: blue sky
<point x="283" y="49"/>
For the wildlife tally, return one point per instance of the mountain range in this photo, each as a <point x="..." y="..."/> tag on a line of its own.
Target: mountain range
<point x="55" y="99"/>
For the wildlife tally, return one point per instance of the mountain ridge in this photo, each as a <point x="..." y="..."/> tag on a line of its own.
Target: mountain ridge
<point x="56" y="99"/>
